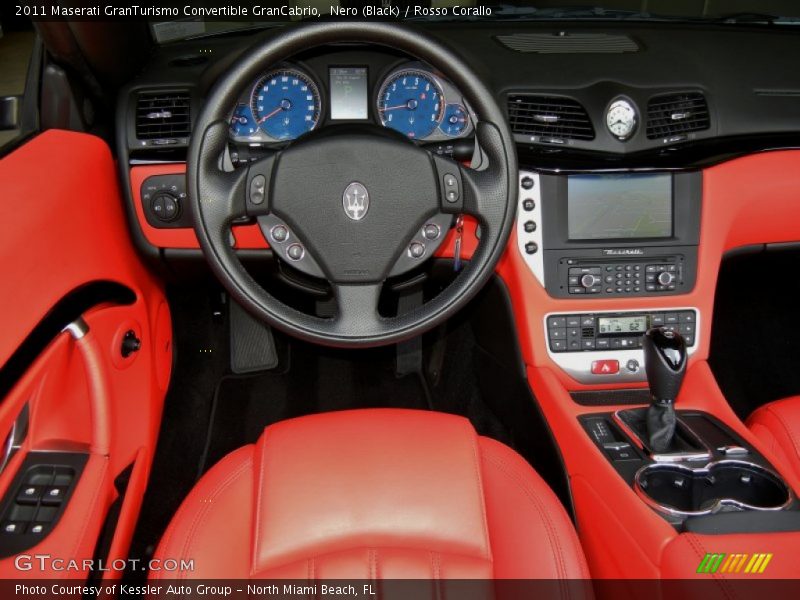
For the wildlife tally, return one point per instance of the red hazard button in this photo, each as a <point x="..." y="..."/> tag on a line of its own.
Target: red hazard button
<point x="605" y="367"/>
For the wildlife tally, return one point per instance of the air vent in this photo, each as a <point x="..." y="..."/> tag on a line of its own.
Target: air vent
<point x="568" y="43"/>
<point x="163" y="115"/>
<point x="551" y="119"/>
<point x="671" y="115"/>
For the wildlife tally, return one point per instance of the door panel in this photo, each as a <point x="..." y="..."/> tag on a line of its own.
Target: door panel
<point x="63" y="230"/>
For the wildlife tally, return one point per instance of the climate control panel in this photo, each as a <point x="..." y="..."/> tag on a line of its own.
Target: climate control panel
<point x="606" y="347"/>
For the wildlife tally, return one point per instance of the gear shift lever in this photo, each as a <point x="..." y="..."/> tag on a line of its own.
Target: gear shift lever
<point x="665" y="365"/>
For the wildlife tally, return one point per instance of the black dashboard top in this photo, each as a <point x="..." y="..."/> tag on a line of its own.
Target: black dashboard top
<point x="576" y="93"/>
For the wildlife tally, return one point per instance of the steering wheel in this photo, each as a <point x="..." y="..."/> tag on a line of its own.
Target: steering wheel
<point x="353" y="198"/>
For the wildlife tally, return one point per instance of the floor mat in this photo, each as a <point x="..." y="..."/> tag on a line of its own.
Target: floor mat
<point x="316" y="380"/>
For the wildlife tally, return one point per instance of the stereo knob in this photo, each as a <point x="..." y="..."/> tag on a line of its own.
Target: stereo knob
<point x="589" y="281"/>
<point x="665" y="278"/>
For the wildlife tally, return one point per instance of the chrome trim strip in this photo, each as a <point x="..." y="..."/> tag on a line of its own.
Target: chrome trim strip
<point x="17" y="435"/>
<point x="77" y="329"/>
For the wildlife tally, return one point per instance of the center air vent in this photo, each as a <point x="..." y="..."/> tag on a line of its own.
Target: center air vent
<point x="163" y="115"/>
<point x="676" y="114"/>
<point x="552" y="119"/>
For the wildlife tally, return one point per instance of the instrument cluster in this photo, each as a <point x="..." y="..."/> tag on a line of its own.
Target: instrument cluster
<point x="288" y="101"/>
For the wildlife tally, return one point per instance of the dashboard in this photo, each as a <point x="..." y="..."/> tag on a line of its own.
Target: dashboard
<point x="292" y="99"/>
<point x="613" y="202"/>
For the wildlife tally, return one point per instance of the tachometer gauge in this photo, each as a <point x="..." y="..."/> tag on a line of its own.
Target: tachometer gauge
<point x="242" y="122"/>
<point x="621" y="119"/>
<point x="411" y="102"/>
<point x="455" y="120"/>
<point x="286" y="104"/>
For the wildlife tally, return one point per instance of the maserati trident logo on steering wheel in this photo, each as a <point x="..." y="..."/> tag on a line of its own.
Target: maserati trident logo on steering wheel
<point x="355" y="201"/>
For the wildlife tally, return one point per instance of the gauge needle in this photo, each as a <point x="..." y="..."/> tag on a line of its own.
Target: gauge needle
<point x="410" y="105"/>
<point x="272" y="114"/>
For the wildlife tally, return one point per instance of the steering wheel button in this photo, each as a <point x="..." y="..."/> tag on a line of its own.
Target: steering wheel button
<point x="295" y="252"/>
<point x="416" y="250"/>
<point x="431" y="231"/>
<point x="450" y="181"/>
<point x="452" y="196"/>
<point x="257" y="188"/>
<point x="280" y="233"/>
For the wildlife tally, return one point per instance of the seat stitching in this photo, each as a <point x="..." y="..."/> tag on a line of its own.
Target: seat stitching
<point x="91" y="512"/>
<point x="700" y="551"/>
<point x="479" y="481"/>
<point x="170" y="533"/>
<point x="259" y="486"/>
<point x="206" y="504"/>
<point x="536" y="500"/>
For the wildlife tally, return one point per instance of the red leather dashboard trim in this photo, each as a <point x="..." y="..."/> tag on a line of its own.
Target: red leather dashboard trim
<point x="247" y="236"/>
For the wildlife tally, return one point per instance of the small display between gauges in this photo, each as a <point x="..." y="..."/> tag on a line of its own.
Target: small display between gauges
<point x="455" y="120"/>
<point x="411" y="102"/>
<point x="286" y="103"/>
<point x="242" y="122"/>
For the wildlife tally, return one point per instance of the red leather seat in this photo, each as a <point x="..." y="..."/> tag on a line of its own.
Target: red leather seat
<point x="777" y="424"/>
<point x="373" y="494"/>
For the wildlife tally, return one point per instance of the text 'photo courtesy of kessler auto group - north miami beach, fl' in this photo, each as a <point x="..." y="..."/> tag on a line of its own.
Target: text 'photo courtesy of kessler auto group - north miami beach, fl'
<point x="414" y="300"/>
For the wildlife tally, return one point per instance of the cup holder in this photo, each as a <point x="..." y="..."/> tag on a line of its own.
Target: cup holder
<point x="719" y="486"/>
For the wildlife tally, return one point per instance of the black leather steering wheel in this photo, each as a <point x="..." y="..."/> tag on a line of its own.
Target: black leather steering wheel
<point x="306" y="186"/>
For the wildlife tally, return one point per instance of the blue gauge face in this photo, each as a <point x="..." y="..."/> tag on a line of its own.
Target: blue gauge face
<point x="286" y="104"/>
<point x="455" y="120"/>
<point x="411" y="102"/>
<point x="242" y="122"/>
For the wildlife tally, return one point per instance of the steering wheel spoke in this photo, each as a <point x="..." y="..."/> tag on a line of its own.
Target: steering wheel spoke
<point x="484" y="191"/>
<point x="259" y="185"/>
<point x="221" y="193"/>
<point x="357" y="307"/>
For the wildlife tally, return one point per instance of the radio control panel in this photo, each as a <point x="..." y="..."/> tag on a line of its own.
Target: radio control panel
<point x="624" y="277"/>
<point x="606" y="347"/>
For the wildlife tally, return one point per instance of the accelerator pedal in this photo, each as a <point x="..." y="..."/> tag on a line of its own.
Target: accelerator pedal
<point x="252" y="343"/>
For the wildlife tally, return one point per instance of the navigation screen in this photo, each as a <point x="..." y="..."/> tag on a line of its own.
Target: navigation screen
<point x="348" y="92"/>
<point x="606" y="207"/>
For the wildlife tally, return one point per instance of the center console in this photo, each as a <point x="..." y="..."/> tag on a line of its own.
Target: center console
<point x="687" y="465"/>
<point x="718" y="473"/>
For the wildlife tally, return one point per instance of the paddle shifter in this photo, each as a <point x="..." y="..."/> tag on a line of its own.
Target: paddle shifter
<point x="665" y="364"/>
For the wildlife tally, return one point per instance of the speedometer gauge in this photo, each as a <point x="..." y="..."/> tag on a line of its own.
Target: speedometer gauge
<point x="286" y="104"/>
<point x="411" y="102"/>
